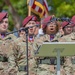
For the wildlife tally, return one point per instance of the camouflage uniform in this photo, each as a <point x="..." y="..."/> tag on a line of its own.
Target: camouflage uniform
<point x="7" y="59"/>
<point x="42" y="68"/>
<point x="58" y="36"/>
<point x="46" y="66"/>
<point x="69" y="64"/>
<point x="21" y="58"/>
<point x="68" y="38"/>
<point x="30" y="21"/>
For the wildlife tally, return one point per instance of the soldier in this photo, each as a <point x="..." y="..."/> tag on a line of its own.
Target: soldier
<point x="20" y="54"/>
<point x="30" y="21"/>
<point x="68" y="37"/>
<point x="71" y="38"/>
<point x="67" y="28"/>
<point x="50" y="29"/>
<point x="7" y="59"/>
<point x="21" y="57"/>
<point x="21" y="32"/>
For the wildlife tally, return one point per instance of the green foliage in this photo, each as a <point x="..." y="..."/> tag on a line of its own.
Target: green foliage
<point x="66" y="10"/>
<point x="11" y="23"/>
<point x="60" y="8"/>
<point x="20" y="7"/>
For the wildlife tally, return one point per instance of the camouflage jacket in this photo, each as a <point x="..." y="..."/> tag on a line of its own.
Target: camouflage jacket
<point x="68" y="38"/>
<point x="39" y="41"/>
<point x="45" y="38"/>
<point x="7" y="59"/>
<point x="21" y="56"/>
<point x="57" y="36"/>
<point x="29" y="40"/>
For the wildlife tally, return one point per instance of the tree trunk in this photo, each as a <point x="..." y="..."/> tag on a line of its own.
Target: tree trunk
<point x="16" y="17"/>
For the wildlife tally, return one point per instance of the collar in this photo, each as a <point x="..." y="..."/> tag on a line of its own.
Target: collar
<point x="52" y="36"/>
<point x="31" y="38"/>
<point x="2" y="35"/>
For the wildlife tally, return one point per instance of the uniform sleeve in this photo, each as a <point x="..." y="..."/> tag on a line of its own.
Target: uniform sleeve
<point x="21" y="60"/>
<point x="13" y="69"/>
<point x="21" y="57"/>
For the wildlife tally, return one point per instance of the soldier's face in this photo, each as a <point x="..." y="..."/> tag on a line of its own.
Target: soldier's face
<point x="32" y="25"/>
<point x="21" y="33"/>
<point x="68" y="29"/>
<point x="51" y="28"/>
<point x="4" y="25"/>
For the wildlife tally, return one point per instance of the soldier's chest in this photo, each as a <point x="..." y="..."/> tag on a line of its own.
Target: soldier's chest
<point x="5" y="48"/>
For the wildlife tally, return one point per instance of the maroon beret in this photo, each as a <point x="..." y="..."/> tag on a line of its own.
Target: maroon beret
<point x="2" y="15"/>
<point x="46" y="21"/>
<point x="65" y="23"/>
<point x="37" y="22"/>
<point x="73" y="20"/>
<point x="27" y="19"/>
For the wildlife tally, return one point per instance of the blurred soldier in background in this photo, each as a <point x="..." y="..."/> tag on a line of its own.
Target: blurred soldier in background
<point x="7" y="59"/>
<point x="68" y="35"/>
<point x="21" y="32"/>
<point x="69" y="61"/>
<point x="67" y="28"/>
<point x="50" y="29"/>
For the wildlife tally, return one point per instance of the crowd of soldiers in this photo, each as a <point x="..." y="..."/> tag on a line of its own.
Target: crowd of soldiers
<point x="13" y="53"/>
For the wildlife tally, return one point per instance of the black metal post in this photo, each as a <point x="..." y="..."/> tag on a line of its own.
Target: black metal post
<point x="26" y="30"/>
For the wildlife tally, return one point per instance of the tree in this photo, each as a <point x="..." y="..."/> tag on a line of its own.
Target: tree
<point x="62" y="8"/>
<point x="17" y="10"/>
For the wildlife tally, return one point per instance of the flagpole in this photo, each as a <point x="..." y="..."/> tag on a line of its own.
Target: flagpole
<point x="29" y="8"/>
<point x="29" y="12"/>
